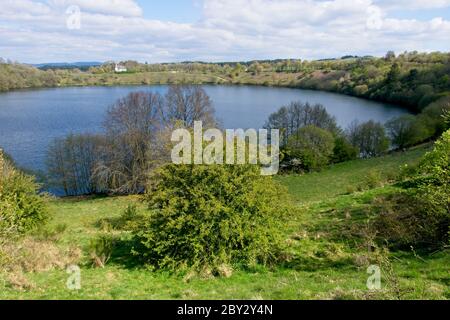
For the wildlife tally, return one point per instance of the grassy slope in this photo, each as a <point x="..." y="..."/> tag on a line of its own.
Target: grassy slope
<point x="327" y="269"/>
<point x="336" y="180"/>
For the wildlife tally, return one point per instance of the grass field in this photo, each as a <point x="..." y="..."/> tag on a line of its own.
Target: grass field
<point x="325" y="267"/>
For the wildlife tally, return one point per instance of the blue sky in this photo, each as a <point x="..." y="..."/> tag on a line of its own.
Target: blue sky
<point x="36" y="31"/>
<point x="190" y="11"/>
<point x="182" y="11"/>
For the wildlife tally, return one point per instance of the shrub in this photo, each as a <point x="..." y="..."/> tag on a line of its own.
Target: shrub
<point x="21" y="208"/>
<point x="434" y="186"/>
<point x="404" y="220"/>
<point x="373" y="180"/>
<point x="421" y="215"/>
<point x="313" y="146"/>
<point x="343" y="150"/>
<point x="101" y="249"/>
<point x="210" y="216"/>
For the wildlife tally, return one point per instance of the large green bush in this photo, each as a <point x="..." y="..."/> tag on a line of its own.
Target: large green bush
<point x="343" y="150"/>
<point x="420" y="216"/>
<point x="313" y="146"/>
<point x="210" y="216"/>
<point x="21" y="208"/>
<point x="434" y="190"/>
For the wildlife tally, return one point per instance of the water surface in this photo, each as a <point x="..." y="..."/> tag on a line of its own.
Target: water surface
<point x="29" y="120"/>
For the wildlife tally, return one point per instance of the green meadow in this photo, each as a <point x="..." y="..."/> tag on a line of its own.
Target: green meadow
<point x="325" y="264"/>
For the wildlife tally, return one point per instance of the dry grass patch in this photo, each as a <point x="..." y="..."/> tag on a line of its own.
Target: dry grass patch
<point x="31" y="255"/>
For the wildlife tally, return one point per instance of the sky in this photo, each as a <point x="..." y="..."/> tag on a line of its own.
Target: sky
<point x="40" y="31"/>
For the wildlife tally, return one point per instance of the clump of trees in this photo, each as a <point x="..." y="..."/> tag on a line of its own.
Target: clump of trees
<point x="311" y="138"/>
<point x="405" y="131"/>
<point x="207" y="217"/>
<point x="137" y="129"/>
<point x="130" y="128"/>
<point x="409" y="130"/>
<point x="135" y="141"/>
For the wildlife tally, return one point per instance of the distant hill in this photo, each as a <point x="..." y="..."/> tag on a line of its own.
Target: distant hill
<point x="66" y="65"/>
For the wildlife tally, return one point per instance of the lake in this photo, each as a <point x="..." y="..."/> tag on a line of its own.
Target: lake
<point x="30" y="119"/>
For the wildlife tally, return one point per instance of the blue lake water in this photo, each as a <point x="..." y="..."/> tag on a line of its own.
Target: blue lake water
<point x="30" y="119"/>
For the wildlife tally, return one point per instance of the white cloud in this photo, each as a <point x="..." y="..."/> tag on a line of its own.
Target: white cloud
<point x="127" y="8"/>
<point x="33" y="31"/>
<point x="412" y="4"/>
<point x="10" y="7"/>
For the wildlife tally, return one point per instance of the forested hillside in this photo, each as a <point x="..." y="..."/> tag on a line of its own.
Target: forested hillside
<point x="412" y="79"/>
<point x="17" y="76"/>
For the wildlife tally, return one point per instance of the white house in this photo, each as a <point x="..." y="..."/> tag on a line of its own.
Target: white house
<point x="120" y="68"/>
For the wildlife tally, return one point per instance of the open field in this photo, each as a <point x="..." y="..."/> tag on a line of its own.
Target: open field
<point x="326" y="266"/>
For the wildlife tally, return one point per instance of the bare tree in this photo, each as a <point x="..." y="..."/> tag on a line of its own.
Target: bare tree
<point x="130" y="126"/>
<point x="297" y="115"/>
<point x="71" y="162"/>
<point x="188" y="104"/>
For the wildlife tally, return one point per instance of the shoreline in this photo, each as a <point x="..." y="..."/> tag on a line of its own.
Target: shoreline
<point x="411" y="109"/>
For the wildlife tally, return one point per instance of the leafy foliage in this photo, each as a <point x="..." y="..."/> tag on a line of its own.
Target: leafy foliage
<point x="369" y="137"/>
<point x="312" y="146"/>
<point x="421" y="215"/>
<point x="343" y="150"/>
<point x="101" y="249"/>
<point x="434" y="191"/>
<point x="208" y="216"/>
<point x="405" y="131"/>
<point x="21" y="208"/>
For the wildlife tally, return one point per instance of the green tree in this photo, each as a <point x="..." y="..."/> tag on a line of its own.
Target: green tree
<point x="390" y="55"/>
<point x="369" y="137"/>
<point x="436" y="167"/>
<point x="393" y="77"/>
<point x="405" y="131"/>
<point x="313" y="146"/>
<point x="343" y="150"/>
